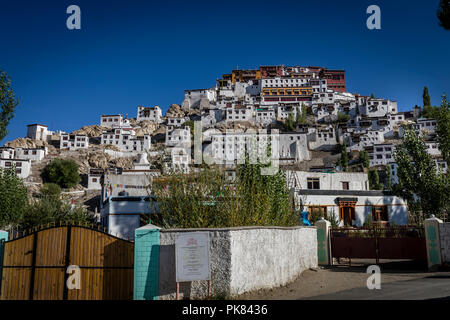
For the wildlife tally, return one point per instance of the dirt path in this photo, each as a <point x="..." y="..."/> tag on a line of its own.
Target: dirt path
<point x="322" y="281"/>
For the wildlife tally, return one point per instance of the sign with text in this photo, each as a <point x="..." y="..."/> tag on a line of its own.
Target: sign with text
<point x="192" y="256"/>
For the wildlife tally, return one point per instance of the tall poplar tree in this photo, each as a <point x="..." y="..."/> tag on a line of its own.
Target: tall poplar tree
<point x="8" y="103"/>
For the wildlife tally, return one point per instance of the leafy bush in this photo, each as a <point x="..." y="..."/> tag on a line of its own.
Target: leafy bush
<point x="62" y="172"/>
<point x="207" y="199"/>
<point x="13" y="198"/>
<point x="48" y="208"/>
<point x="51" y="210"/>
<point x="50" y="190"/>
<point x="342" y="117"/>
<point x="315" y="216"/>
<point x="334" y="218"/>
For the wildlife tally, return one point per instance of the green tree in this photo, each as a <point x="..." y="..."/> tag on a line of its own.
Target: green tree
<point x="49" y="208"/>
<point x="444" y="14"/>
<point x="426" y="97"/>
<point x="289" y="124"/>
<point x="62" y="172"/>
<point x="344" y="157"/>
<point x="420" y="184"/>
<point x="443" y="128"/>
<point x="301" y="115"/>
<point x="8" y="103"/>
<point x="372" y="96"/>
<point x="342" y="117"/>
<point x="364" y="159"/>
<point x="389" y="178"/>
<point x="13" y="198"/>
<point x="374" y="180"/>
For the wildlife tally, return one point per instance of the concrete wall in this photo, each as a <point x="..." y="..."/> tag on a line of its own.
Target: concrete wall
<point x="3" y="235"/>
<point x="444" y="233"/>
<point x="270" y="257"/>
<point x="242" y="259"/>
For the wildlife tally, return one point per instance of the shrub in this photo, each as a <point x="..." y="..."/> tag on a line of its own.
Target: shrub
<point x="50" y="190"/>
<point x="13" y="198"/>
<point x="62" y="172"/>
<point x="207" y="199"/>
<point x="342" y="117"/>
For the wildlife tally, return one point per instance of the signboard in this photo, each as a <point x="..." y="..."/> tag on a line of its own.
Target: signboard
<point x="192" y="256"/>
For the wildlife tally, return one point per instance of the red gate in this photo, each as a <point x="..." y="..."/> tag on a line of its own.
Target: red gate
<point x="405" y="243"/>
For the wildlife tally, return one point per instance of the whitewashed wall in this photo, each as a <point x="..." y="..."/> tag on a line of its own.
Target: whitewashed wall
<point x="242" y="259"/>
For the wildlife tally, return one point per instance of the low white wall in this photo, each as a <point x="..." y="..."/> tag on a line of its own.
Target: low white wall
<point x="444" y="232"/>
<point x="270" y="257"/>
<point x="242" y="259"/>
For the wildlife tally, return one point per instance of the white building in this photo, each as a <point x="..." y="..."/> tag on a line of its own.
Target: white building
<point x="94" y="178"/>
<point x="382" y="154"/>
<point x="111" y="121"/>
<point x="37" y="132"/>
<point x="345" y="196"/>
<point x="239" y="113"/>
<point x="74" y="141"/>
<point x="149" y="113"/>
<point x="125" y="204"/>
<point x="33" y="154"/>
<point x="362" y="139"/>
<point x="375" y="108"/>
<point x="231" y="148"/>
<point x="192" y="98"/>
<point x="432" y="148"/>
<point x="126" y="140"/>
<point x="425" y="125"/>
<point x="7" y="153"/>
<point x="322" y="138"/>
<point x="178" y="137"/>
<point x="284" y="110"/>
<point x="175" y="122"/>
<point x="23" y="167"/>
<point x="265" y="115"/>
<point x="179" y="160"/>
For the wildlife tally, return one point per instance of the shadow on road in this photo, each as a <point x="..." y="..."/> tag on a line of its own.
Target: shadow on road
<point x="386" y="266"/>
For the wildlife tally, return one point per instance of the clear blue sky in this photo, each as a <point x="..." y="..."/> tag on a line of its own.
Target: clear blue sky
<point x="137" y="52"/>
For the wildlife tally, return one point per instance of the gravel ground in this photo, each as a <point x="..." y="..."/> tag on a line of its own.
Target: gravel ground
<point x="337" y="278"/>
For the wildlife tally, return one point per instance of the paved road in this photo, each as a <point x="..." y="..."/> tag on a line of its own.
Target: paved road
<point x="433" y="287"/>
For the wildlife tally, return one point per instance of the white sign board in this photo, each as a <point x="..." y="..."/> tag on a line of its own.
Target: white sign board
<point x="192" y="256"/>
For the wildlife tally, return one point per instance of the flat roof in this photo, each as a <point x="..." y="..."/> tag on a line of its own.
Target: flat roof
<point x="37" y="124"/>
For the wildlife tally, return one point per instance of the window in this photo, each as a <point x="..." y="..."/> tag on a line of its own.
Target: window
<point x="313" y="183"/>
<point x="345" y="185"/>
<point x="94" y="179"/>
<point x="380" y="213"/>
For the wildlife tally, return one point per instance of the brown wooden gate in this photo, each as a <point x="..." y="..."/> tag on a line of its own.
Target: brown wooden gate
<point x="404" y="243"/>
<point x="34" y="266"/>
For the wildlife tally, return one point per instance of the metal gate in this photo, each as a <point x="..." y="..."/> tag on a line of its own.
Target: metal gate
<point x="406" y="243"/>
<point x="35" y="265"/>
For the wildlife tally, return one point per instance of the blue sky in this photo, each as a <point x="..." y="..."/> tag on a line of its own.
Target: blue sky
<point x="137" y="52"/>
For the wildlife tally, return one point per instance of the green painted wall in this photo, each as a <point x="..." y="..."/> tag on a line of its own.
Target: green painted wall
<point x="146" y="263"/>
